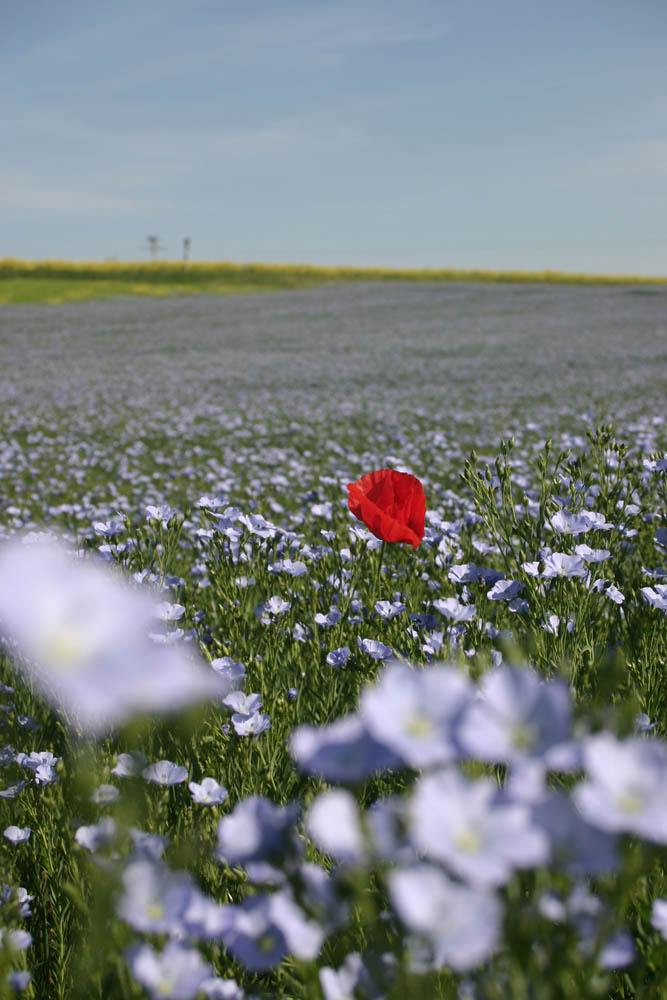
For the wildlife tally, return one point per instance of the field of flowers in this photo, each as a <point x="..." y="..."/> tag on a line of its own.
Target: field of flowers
<point x="265" y="735"/>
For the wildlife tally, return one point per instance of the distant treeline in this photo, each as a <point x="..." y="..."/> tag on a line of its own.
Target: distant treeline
<point x="282" y="275"/>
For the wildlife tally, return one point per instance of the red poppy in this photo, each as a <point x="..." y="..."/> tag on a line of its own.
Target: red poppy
<point x="391" y="504"/>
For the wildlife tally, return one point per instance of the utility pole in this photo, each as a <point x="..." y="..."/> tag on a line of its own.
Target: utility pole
<point x="153" y="246"/>
<point x="187" y="242"/>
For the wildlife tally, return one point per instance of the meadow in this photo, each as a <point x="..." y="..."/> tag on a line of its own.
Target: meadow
<point x="54" y="282"/>
<point x="251" y="750"/>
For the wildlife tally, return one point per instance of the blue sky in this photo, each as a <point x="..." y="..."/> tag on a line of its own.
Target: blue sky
<point x="417" y="133"/>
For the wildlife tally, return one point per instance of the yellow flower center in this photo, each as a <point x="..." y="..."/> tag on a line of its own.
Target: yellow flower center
<point x="468" y="840"/>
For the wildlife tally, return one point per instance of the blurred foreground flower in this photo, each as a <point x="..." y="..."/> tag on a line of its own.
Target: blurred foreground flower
<point x="391" y="504"/>
<point x="81" y="633"/>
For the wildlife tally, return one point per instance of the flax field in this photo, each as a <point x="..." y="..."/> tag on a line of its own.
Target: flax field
<point x="247" y="749"/>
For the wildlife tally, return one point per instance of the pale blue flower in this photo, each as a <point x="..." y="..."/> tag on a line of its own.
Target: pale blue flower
<point x="292" y="568"/>
<point x="19" y="979"/>
<point x="104" y="795"/>
<point x="205" y="918"/>
<point x="468" y="827"/>
<point x="375" y="649"/>
<point x="414" y="712"/>
<point x="175" y="973"/>
<point x="342" y="983"/>
<point x="222" y="989"/>
<point x="167" y="612"/>
<point x="331" y="618"/>
<point x="657" y="573"/>
<point x="251" y="724"/>
<point x="42" y="764"/>
<point x="17" y="834"/>
<point x="165" y="772"/>
<point x="107" y="529"/>
<point x="129" y="765"/>
<point x="147" y="845"/>
<point x="12" y="791"/>
<point x="464" y="573"/>
<point x="208" y="793"/>
<point x="614" y="594"/>
<point x="160" y="512"/>
<point x="590" y="555"/>
<point x="453" y="609"/>
<point x="578" y="848"/>
<point x="461" y="924"/>
<point x="389" y="609"/>
<point x="343" y="751"/>
<point x="333" y="822"/>
<point x="617" y="952"/>
<point x="230" y="670"/>
<point x="369" y="976"/>
<point x="643" y="724"/>
<point x="517" y="714"/>
<point x="267" y="611"/>
<point x="559" y="564"/>
<point x="551" y="624"/>
<point x="255" y="830"/>
<point x="258" y="526"/>
<point x="98" y="835"/>
<point x="338" y="657"/>
<point x="626" y="788"/>
<point x="155" y="899"/>
<point x="263" y="929"/>
<point x="531" y="568"/>
<point x="567" y="523"/>
<point x="656" y="596"/>
<point x="505" y="590"/>
<point x="433" y="644"/>
<point x="8" y="894"/>
<point x="17" y="940"/>
<point x="81" y="632"/>
<point x="319" y="896"/>
<point x="243" y="703"/>
<point x="659" y="916"/>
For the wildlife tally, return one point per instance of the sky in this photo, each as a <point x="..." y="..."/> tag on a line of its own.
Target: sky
<point x="421" y="133"/>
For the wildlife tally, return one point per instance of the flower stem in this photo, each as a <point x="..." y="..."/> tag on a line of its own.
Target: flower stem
<point x="378" y="573"/>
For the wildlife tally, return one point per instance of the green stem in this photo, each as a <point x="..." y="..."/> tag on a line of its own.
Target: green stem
<point x="378" y="572"/>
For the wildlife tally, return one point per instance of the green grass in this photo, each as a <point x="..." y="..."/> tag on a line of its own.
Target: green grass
<point x="56" y="282"/>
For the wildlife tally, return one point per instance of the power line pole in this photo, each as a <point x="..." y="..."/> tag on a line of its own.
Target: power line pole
<point x="153" y="246"/>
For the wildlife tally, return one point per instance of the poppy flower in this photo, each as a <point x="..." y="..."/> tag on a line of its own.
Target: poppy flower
<point x="391" y="504"/>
